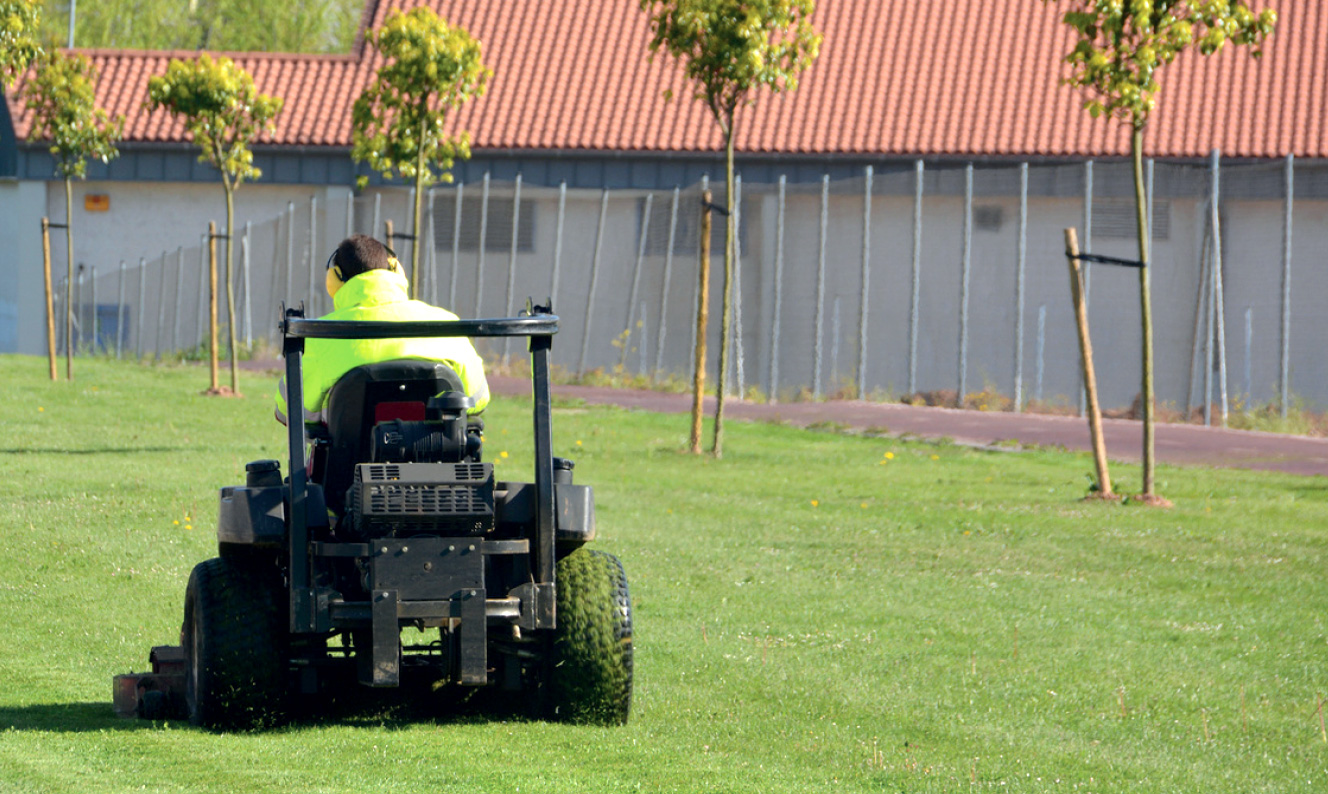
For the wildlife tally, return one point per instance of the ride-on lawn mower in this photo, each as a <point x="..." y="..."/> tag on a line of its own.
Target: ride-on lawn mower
<point x="301" y="602"/>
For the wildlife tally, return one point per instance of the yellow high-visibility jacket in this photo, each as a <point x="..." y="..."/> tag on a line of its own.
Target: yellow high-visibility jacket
<point x="380" y="295"/>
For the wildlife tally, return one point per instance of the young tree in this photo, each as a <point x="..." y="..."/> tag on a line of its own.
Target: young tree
<point x="20" y="42"/>
<point x="729" y="49"/>
<point x="61" y="98"/>
<point x="398" y="121"/>
<point x="223" y="113"/>
<point x="1119" y="49"/>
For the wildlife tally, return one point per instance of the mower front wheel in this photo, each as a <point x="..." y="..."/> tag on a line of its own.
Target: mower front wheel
<point x="590" y="678"/>
<point x="235" y="641"/>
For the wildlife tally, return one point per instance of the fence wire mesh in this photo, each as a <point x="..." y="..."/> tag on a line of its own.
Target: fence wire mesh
<point x="910" y="278"/>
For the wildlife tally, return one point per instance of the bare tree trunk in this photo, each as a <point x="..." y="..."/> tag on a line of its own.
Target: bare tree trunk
<point x="702" y="321"/>
<point x="726" y="307"/>
<point x="1145" y="308"/>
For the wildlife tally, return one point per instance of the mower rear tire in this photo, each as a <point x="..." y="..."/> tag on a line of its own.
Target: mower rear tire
<point x="235" y="647"/>
<point x="590" y="675"/>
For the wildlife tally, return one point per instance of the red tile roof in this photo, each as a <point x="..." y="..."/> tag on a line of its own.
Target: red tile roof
<point x="964" y="78"/>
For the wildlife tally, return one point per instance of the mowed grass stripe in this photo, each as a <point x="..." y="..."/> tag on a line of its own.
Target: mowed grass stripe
<point x="814" y="612"/>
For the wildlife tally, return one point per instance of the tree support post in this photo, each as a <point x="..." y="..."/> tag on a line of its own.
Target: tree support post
<point x="702" y="320"/>
<point x="1086" y="356"/>
<point x="50" y="296"/>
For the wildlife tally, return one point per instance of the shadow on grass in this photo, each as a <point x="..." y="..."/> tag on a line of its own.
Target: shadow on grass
<point x="68" y="718"/>
<point x="359" y="711"/>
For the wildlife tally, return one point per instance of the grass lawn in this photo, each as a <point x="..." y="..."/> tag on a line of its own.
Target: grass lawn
<point x="815" y="612"/>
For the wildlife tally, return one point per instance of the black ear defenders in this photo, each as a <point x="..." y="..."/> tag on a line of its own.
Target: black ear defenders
<point x="335" y="268"/>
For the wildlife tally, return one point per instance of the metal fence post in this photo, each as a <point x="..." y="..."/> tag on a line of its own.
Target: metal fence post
<point x="456" y="247"/>
<point x="142" y="302"/>
<point x="315" y="298"/>
<point x="594" y="280"/>
<point x="1211" y="307"/>
<point x="511" y="259"/>
<point x="274" y="274"/>
<point x="1087" y="267"/>
<point x="76" y="312"/>
<point x="96" y="316"/>
<point x="664" y="291"/>
<point x="248" y="293"/>
<point x="1020" y="256"/>
<point x="636" y="276"/>
<point x="290" y="247"/>
<point x="484" y="236"/>
<point x="558" y="245"/>
<point x="820" y="288"/>
<point x="203" y="281"/>
<point x="736" y="327"/>
<point x="779" y="295"/>
<point x="119" y="312"/>
<point x="161" y="307"/>
<point x="865" y="302"/>
<point x="1217" y="284"/>
<point x="918" y="171"/>
<point x="963" y="284"/>
<point x="179" y="278"/>
<point x="61" y="332"/>
<point x="1284" y="380"/>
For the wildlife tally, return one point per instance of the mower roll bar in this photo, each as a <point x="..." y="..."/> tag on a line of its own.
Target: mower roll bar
<point x="539" y="323"/>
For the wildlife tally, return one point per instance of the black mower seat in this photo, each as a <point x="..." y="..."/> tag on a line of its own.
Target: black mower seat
<point x="370" y="394"/>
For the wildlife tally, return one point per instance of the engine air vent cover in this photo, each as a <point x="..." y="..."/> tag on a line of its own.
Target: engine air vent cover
<point x="393" y="499"/>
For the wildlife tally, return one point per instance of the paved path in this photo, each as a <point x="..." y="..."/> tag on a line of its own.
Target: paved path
<point x="1181" y="444"/>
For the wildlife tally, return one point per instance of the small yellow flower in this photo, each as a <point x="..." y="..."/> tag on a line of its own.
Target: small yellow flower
<point x="935" y="457"/>
<point x="188" y="526"/>
<point x="889" y="456"/>
<point x="863" y="505"/>
<point x="578" y="442"/>
<point x="176" y="523"/>
<point x="815" y="503"/>
<point x="40" y="409"/>
<point x="502" y="454"/>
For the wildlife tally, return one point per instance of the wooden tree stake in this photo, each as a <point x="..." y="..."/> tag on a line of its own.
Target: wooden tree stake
<point x="1086" y="354"/>
<point x="50" y="297"/>
<point x="702" y="320"/>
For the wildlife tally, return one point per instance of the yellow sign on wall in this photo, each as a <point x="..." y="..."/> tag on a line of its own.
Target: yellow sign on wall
<point x="97" y="202"/>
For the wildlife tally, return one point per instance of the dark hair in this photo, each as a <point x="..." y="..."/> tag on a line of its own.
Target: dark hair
<point x="359" y="253"/>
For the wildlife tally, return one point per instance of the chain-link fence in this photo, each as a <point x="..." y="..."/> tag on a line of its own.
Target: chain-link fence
<point x="937" y="277"/>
